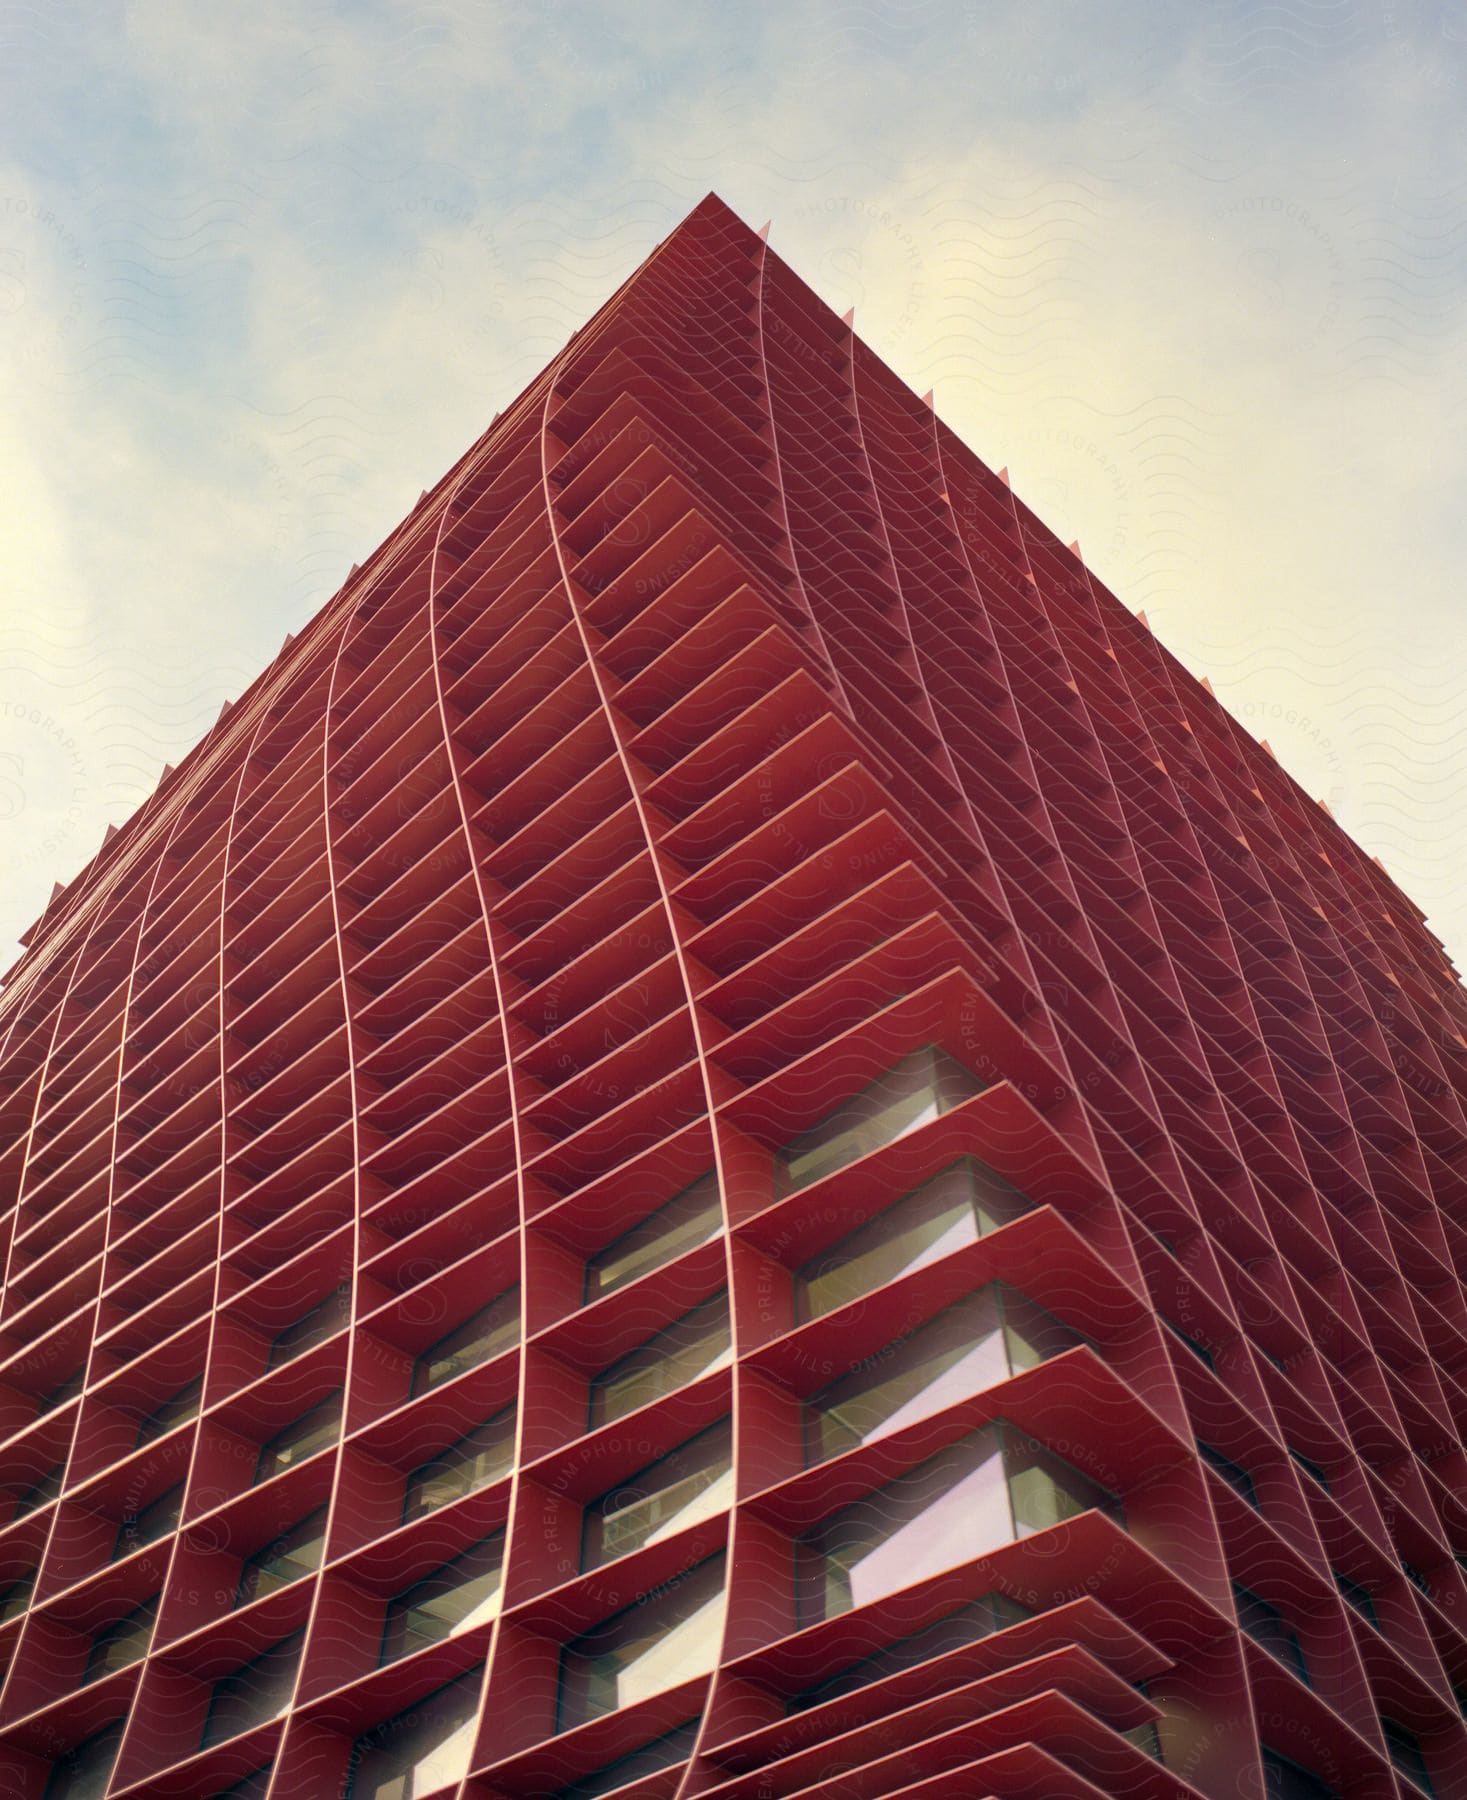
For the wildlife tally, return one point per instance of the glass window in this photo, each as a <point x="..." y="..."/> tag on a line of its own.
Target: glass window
<point x="994" y="1612"/>
<point x="15" y="1597"/>
<point x="66" y="1389"/>
<point x="920" y="1088"/>
<point x="666" y="1637"/>
<point x="1045" y="1490"/>
<point x="1311" y="1469"/>
<point x="324" y="1320"/>
<point x="1405" y="1749"/>
<point x="989" y="1488"/>
<point x="1358" y="1597"/>
<point x="1031" y="1333"/>
<point x="994" y="1333"/>
<point x="944" y="1512"/>
<point x="304" y="1437"/>
<point x="687" y="1220"/>
<point x="689" y="1347"/>
<point x="252" y="1694"/>
<point x="1236" y="1476"/>
<point x="461" y="1593"/>
<point x="1267" y="1626"/>
<point x="152" y="1522"/>
<point x="1161" y="1238"/>
<point x="294" y="1553"/>
<point x="474" y="1460"/>
<point x="426" y="1746"/>
<point x="177" y="1409"/>
<point x="1285" y="1780"/>
<point x="1200" y="1351"/>
<point x="39" y="1492"/>
<point x="693" y="1482"/>
<point x="84" y="1772"/>
<point x="122" y="1642"/>
<point x="483" y="1334"/>
<point x="956" y="1207"/>
<point x="661" y="1753"/>
<point x="1146" y="1737"/>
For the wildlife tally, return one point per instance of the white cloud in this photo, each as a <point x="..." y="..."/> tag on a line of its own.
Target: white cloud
<point x="1198" y="283"/>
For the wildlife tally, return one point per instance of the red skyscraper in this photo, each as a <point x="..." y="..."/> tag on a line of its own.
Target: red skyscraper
<point x="725" y="1140"/>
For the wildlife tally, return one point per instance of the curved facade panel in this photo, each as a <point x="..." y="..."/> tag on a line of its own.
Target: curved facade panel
<point x="726" y="1141"/>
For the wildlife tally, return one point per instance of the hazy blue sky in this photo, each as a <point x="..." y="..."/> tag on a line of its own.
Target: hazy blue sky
<point x="1193" y="271"/>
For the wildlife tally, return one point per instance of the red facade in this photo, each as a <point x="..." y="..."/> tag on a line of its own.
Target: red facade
<point x="726" y="1140"/>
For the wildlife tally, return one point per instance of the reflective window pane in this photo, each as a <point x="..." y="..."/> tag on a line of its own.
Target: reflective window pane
<point x="946" y="1511"/>
<point x="687" y="1220"/>
<point x="689" y="1347"/>
<point x="1406" y="1754"/>
<point x="324" y="1320"/>
<point x="66" y="1389"/>
<point x="476" y="1459"/>
<point x="1267" y="1626"/>
<point x="994" y="1333"/>
<point x="257" y="1692"/>
<point x="426" y="1746"/>
<point x="294" y="1553"/>
<point x="1045" y="1490"/>
<point x="15" y="1597"/>
<point x="1358" y="1597"/>
<point x="1285" y="1780"/>
<point x="693" y="1482"/>
<point x="1236" y="1476"/>
<point x="919" y="1089"/>
<point x="958" y="1353"/>
<point x="492" y="1329"/>
<point x="178" y="1409"/>
<point x="1146" y="1738"/>
<point x="989" y="1488"/>
<point x="956" y="1207"/>
<point x="461" y="1593"/>
<point x="153" y="1521"/>
<point x="84" y="1772"/>
<point x="304" y="1437"/>
<point x="122" y="1642"/>
<point x="37" y="1495"/>
<point x="666" y="1638"/>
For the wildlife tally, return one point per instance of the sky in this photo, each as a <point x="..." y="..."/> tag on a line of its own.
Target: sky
<point x="1193" y="272"/>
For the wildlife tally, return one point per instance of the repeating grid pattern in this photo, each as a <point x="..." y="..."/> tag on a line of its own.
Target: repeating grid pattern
<point x="465" y="1139"/>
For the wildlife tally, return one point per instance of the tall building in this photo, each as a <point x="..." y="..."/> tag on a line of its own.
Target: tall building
<point x="725" y="1140"/>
